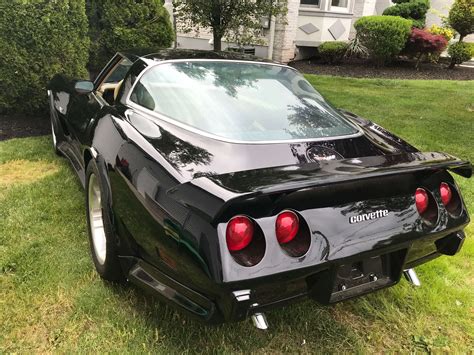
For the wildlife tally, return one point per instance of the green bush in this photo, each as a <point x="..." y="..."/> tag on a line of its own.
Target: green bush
<point x="121" y="25"/>
<point x="414" y="10"/>
<point x="37" y="40"/>
<point x="384" y="36"/>
<point x="332" y="52"/>
<point x="460" y="52"/>
<point x="461" y="17"/>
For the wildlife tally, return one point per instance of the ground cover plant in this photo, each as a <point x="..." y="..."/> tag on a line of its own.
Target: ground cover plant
<point x="51" y="299"/>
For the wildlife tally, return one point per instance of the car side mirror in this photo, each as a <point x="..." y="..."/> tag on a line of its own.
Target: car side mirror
<point x="84" y="86"/>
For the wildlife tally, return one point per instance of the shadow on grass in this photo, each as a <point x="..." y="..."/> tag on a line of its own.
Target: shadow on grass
<point x="304" y="324"/>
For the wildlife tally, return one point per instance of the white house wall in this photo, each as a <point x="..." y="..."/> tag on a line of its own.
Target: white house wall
<point x="322" y="29"/>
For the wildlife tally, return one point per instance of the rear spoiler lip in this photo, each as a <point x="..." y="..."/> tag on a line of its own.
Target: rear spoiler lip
<point x="335" y="171"/>
<point x="232" y="187"/>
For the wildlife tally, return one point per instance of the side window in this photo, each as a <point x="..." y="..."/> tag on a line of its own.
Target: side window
<point x="110" y="86"/>
<point x="142" y="97"/>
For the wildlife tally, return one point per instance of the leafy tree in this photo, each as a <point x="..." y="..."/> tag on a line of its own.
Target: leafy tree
<point x="39" y="39"/>
<point x="121" y="25"/>
<point x="422" y="43"/>
<point x="461" y="19"/>
<point x="238" y="20"/>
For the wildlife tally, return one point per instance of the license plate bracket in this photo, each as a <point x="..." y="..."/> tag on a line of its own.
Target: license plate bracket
<point x="355" y="278"/>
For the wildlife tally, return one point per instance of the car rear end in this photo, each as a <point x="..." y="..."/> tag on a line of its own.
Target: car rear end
<point x="336" y="231"/>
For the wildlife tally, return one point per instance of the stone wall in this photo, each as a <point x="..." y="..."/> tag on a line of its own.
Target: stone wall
<point x="285" y="34"/>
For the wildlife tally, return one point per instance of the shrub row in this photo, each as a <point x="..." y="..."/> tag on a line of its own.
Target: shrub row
<point x="37" y="40"/>
<point x="41" y="38"/>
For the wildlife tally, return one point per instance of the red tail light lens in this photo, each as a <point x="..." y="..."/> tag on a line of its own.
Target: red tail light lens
<point x="286" y="227"/>
<point x="446" y="193"/>
<point x="239" y="233"/>
<point x="422" y="200"/>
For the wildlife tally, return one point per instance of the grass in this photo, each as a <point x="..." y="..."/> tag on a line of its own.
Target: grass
<point x="52" y="300"/>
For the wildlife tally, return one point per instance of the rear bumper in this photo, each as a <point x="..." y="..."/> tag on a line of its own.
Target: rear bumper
<point x="330" y="282"/>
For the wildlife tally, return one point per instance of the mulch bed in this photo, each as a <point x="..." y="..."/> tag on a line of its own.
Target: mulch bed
<point x="19" y="126"/>
<point x="396" y="70"/>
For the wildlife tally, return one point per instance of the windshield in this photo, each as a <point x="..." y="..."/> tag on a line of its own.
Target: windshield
<point x="239" y="101"/>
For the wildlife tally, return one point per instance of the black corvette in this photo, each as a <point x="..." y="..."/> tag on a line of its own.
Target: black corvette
<point x="227" y="185"/>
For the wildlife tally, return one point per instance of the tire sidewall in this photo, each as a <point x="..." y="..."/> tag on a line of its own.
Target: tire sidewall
<point x="110" y="269"/>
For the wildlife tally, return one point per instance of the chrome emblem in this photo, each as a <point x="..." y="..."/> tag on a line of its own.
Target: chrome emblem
<point x="317" y="153"/>
<point x="368" y="216"/>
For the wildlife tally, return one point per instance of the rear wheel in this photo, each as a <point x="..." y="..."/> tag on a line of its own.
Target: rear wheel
<point x="101" y="235"/>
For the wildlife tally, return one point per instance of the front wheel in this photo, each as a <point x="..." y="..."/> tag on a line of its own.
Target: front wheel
<point x="101" y="235"/>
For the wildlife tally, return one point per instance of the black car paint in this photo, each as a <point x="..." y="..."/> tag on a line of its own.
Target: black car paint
<point x="172" y="192"/>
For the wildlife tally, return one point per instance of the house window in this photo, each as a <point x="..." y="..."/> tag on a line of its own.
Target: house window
<point x="310" y="2"/>
<point x="339" y="3"/>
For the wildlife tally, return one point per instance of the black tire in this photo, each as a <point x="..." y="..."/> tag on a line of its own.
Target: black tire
<point x="108" y="267"/>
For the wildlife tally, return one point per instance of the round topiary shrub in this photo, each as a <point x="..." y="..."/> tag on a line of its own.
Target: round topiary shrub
<point x="461" y="17"/>
<point x="332" y="52"/>
<point x="460" y="52"/>
<point x="414" y="10"/>
<point x="39" y="39"/>
<point x="384" y="36"/>
<point x="120" y="25"/>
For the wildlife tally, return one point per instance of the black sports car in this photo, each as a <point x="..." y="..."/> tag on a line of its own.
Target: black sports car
<point x="227" y="185"/>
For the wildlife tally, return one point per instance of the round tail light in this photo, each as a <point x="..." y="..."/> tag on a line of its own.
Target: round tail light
<point x="446" y="193"/>
<point x="239" y="233"/>
<point x="286" y="227"/>
<point x="421" y="200"/>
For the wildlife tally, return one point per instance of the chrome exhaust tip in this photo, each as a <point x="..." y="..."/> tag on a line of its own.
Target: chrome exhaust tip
<point x="260" y="321"/>
<point x="412" y="277"/>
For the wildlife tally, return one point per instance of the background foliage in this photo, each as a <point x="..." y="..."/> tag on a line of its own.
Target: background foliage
<point x="384" y="36"/>
<point x="37" y="40"/>
<point x="422" y="43"/>
<point x="239" y="21"/>
<point x="461" y="17"/>
<point x="332" y="52"/>
<point x="125" y="24"/>
<point x="414" y="10"/>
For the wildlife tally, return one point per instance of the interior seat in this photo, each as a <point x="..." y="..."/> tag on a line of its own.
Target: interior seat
<point x="117" y="89"/>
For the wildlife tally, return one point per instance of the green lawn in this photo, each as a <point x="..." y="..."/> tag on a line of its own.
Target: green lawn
<point x="51" y="299"/>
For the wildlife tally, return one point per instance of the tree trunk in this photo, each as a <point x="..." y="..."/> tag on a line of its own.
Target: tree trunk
<point x="418" y="61"/>
<point x="217" y="41"/>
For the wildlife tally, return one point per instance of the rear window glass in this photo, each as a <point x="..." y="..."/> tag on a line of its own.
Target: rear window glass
<point x="240" y="101"/>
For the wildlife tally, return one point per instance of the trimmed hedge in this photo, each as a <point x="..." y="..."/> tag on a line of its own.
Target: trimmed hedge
<point x="384" y="36"/>
<point x="332" y="52"/>
<point x="460" y="52"/>
<point x="461" y="17"/>
<point x="414" y="10"/>
<point x="37" y="40"/>
<point x="125" y="24"/>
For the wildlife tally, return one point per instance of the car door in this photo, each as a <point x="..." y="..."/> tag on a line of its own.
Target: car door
<point x="84" y="108"/>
